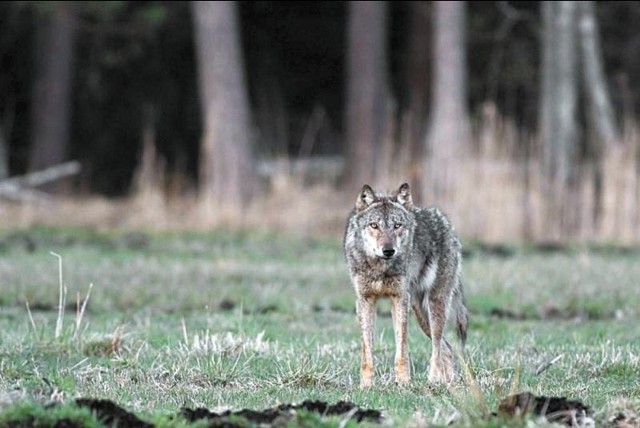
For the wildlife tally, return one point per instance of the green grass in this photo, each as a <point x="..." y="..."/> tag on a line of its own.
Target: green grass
<point x="251" y="320"/>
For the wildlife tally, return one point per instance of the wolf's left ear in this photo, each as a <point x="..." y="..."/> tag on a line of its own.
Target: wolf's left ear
<point x="365" y="198"/>
<point x="404" y="196"/>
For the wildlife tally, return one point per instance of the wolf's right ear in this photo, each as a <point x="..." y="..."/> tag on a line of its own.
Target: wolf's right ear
<point x="404" y="196"/>
<point x="365" y="198"/>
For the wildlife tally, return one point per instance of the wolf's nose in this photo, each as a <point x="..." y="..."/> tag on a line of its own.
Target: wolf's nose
<point x="388" y="252"/>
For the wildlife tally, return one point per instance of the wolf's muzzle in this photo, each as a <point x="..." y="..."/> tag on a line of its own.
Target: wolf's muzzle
<point x="388" y="252"/>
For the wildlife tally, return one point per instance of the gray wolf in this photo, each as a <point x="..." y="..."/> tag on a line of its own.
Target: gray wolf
<point x="412" y="256"/>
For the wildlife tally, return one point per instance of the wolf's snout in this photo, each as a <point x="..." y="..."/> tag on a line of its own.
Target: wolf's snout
<point x="388" y="251"/>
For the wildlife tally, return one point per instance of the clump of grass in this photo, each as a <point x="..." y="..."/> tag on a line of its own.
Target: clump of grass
<point x="223" y="344"/>
<point x="304" y="372"/>
<point x="62" y="299"/>
<point x="103" y="345"/>
<point x="468" y="396"/>
<point x="31" y="414"/>
<point x="220" y="370"/>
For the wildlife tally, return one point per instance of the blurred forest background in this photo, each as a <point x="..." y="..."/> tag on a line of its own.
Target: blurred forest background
<point x="519" y="119"/>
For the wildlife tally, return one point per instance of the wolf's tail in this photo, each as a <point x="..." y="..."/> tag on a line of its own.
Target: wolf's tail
<point x="460" y="312"/>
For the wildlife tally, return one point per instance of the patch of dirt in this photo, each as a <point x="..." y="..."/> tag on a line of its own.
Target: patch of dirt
<point x="551" y="247"/>
<point x="40" y="306"/>
<point x="572" y="413"/>
<point x="262" y="310"/>
<point x="281" y="414"/>
<point x="112" y="414"/>
<point x="624" y="420"/>
<point x="30" y="242"/>
<point x="549" y="311"/>
<point x="17" y="239"/>
<point x="560" y="410"/>
<point x="507" y="314"/>
<point x="226" y="305"/>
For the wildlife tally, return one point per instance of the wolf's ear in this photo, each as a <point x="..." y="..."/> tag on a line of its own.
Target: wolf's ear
<point x="365" y="198"/>
<point x="404" y="196"/>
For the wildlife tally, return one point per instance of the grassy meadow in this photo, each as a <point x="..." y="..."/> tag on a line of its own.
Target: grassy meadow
<point x="253" y="319"/>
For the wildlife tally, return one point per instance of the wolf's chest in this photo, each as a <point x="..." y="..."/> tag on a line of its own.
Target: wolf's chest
<point x="383" y="286"/>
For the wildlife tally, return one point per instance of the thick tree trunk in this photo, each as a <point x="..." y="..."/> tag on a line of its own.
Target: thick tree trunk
<point x="366" y="115"/>
<point x="601" y="110"/>
<point x="50" y="113"/>
<point x="226" y="174"/>
<point x="559" y="95"/>
<point x="448" y="135"/>
<point x="418" y="74"/>
<point x="558" y="126"/>
<point x="601" y="116"/>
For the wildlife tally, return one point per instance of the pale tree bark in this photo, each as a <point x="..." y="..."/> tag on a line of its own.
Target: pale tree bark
<point x="558" y="126"/>
<point x="50" y="112"/>
<point x="226" y="174"/>
<point x="601" y="113"/>
<point x="366" y="111"/>
<point x="571" y="53"/>
<point x="559" y="94"/>
<point x="448" y="136"/>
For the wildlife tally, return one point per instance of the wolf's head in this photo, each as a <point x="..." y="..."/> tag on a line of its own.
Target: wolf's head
<point x="385" y="222"/>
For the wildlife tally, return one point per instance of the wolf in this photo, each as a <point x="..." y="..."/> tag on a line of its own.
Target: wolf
<point x="412" y="256"/>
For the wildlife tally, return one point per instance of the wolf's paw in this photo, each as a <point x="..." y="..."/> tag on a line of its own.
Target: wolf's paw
<point x="402" y="379"/>
<point x="366" y="383"/>
<point x="402" y="373"/>
<point x="441" y="371"/>
<point x="366" y="377"/>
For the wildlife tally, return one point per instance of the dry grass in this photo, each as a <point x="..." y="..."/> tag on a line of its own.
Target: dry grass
<point x="500" y="195"/>
<point x="310" y="211"/>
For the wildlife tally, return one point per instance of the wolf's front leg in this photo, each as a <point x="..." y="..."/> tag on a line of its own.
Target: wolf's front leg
<point x="366" y="310"/>
<point x="399" y="311"/>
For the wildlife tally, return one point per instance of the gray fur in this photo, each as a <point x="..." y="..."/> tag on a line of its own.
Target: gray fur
<point x="412" y="256"/>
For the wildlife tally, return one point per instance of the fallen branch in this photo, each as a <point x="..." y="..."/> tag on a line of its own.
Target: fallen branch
<point x="17" y="188"/>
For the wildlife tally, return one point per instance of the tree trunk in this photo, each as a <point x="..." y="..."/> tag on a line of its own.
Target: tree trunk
<point x="601" y="114"/>
<point x="558" y="126"/>
<point x="50" y="112"/>
<point x="226" y="174"/>
<point x="601" y="109"/>
<point x="4" y="156"/>
<point x="448" y="135"/>
<point x="418" y="74"/>
<point x="559" y="96"/>
<point x="366" y="121"/>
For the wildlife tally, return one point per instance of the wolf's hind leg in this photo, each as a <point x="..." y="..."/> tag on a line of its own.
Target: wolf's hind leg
<point x="441" y="368"/>
<point x="422" y="316"/>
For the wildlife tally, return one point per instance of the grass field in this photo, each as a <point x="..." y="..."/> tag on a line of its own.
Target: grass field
<point x="253" y="319"/>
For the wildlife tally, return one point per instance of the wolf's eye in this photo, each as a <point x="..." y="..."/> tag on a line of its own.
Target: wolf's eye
<point x="373" y="225"/>
<point x="397" y="225"/>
